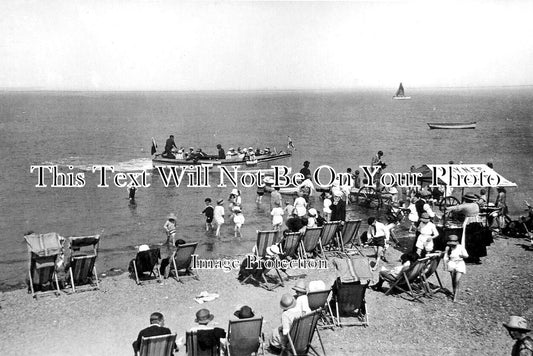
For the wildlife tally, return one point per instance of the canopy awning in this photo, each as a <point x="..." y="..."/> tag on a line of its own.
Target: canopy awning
<point x="462" y="176"/>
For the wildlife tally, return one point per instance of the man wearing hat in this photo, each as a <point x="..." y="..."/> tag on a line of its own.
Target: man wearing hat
<point x="305" y="171"/>
<point x="517" y="328"/>
<point x="244" y="312"/>
<point x="156" y="328"/>
<point x="208" y="336"/>
<point x="302" y="302"/>
<point x="221" y="153"/>
<point x="280" y="335"/>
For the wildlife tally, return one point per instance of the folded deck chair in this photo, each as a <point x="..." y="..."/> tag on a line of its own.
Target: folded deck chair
<point x="264" y="240"/>
<point x="301" y="334"/>
<point x="194" y="348"/>
<point x="245" y="337"/>
<point x="349" y="299"/>
<point x="405" y="282"/>
<point x="329" y="234"/>
<point x="349" y="234"/>
<point x="430" y="270"/>
<point x="181" y="261"/>
<point x="44" y="250"/>
<point x="82" y="270"/>
<point x="291" y="242"/>
<point x="310" y="241"/>
<point x="162" y="345"/>
<point x="145" y="265"/>
<point x="319" y="300"/>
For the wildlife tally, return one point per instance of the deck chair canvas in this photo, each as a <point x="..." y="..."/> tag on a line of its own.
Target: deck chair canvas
<point x="82" y="269"/>
<point x="245" y="337"/>
<point x="44" y="250"/>
<point x="264" y="240"/>
<point x="319" y="300"/>
<point x="349" y="299"/>
<point x="349" y="234"/>
<point x="329" y="233"/>
<point x="193" y="349"/>
<point x="406" y="280"/>
<point x="145" y="265"/>
<point x="162" y="345"/>
<point x="301" y="335"/>
<point x="310" y="241"/>
<point x="181" y="261"/>
<point x="291" y="242"/>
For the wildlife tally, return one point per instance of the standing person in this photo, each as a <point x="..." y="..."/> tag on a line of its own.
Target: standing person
<point x="156" y="328"/>
<point x="517" y="328"/>
<point x="413" y="214"/>
<point x="305" y="171"/>
<point x="300" y="205"/>
<point x="218" y="215"/>
<point x="238" y="220"/>
<point x="428" y="232"/>
<point x="454" y="256"/>
<point x="338" y="208"/>
<point x="221" y="153"/>
<point x="327" y="206"/>
<point x="311" y="217"/>
<point x="260" y="193"/>
<point x="376" y="160"/>
<point x="209" y="213"/>
<point x="275" y="196"/>
<point x="501" y="202"/>
<point x="277" y="217"/>
<point x="170" y="228"/>
<point x="378" y="235"/>
<point x="289" y="208"/>
<point x="131" y="192"/>
<point x="238" y="200"/>
<point x="169" y="146"/>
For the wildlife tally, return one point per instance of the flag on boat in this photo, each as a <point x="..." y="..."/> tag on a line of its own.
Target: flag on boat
<point x="154" y="147"/>
<point x="290" y="144"/>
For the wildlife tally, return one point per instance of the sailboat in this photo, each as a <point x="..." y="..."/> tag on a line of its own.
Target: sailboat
<point x="400" y="94"/>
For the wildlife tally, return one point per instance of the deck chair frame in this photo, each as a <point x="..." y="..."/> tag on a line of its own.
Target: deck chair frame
<point x="357" y="291"/>
<point x="83" y="267"/>
<point x="309" y="241"/>
<point x="161" y="345"/>
<point x="430" y="270"/>
<point x="408" y="278"/>
<point x="265" y="239"/>
<point x="153" y="272"/>
<point x="253" y="339"/>
<point x="349" y="234"/>
<point x="183" y="255"/>
<point x="191" y="342"/>
<point x="319" y="300"/>
<point x="329" y="233"/>
<point x="301" y="334"/>
<point x="291" y="242"/>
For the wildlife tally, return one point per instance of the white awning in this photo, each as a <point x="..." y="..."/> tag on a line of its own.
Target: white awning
<point x="467" y="176"/>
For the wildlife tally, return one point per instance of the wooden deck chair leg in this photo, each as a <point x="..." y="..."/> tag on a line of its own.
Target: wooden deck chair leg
<point x="31" y="285"/>
<point x="72" y="280"/>
<point x="411" y="292"/>
<point x="292" y="345"/>
<point x="136" y="273"/>
<point x="58" y="291"/>
<point x="321" y="344"/>
<point x="176" y="271"/>
<point x="96" y="277"/>
<point x="322" y="252"/>
<point x="338" y="314"/>
<point x="157" y="273"/>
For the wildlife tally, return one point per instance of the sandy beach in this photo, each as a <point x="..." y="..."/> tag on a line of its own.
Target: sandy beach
<point x="105" y="322"/>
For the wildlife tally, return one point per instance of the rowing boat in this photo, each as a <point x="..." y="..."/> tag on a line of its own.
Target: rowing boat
<point x="452" y="125"/>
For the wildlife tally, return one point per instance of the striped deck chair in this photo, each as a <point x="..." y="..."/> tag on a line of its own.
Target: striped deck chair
<point x="309" y="241"/>
<point x="290" y="243"/>
<point x="301" y="335"/>
<point x="349" y="234"/>
<point x="431" y="269"/>
<point x="264" y="240"/>
<point x="82" y="270"/>
<point x="406" y="280"/>
<point x="245" y="337"/>
<point x="44" y="250"/>
<point x="146" y="262"/>
<point x="181" y="261"/>
<point x="193" y="349"/>
<point x="350" y="302"/>
<point x="319" y="300"/>
<point x="162" y="345"/>
<point x="329" y="232"/>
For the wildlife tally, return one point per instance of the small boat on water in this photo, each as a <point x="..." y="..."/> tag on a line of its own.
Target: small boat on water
<point x="452" y="125"/>
<point x="400" y="94"/>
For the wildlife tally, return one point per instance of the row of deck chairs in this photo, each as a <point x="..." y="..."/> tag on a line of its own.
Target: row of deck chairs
<point x="244" y="337"/>
<point x="45" y="252"/>
<point x="146" y="266"/>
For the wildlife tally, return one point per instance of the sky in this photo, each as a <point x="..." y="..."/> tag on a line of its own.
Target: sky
<point x="272" y="45"/>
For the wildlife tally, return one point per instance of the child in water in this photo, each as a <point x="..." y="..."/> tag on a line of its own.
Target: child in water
<point x="170" y="228"/>
<point x="238" y="220"/>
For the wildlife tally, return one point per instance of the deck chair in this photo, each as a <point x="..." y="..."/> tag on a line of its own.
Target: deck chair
<point x="431" y="269"/>
<point x="349" y="234"/>
<point x="291" y="242"/>
<point x="310" y="241"/>
<point x="329" y="233"/>
<point x="319" y="300"/>
<point x="162" y="345"/>
<point x="146" y="262"/>
<point x="193" y="349"/>
<point x="349" y="299"/>
<point x="264" y="240"/>
<point x="407" y="280"/>
<point x="44" y="250"/>
<point x="301" y="335"/>
<point x="181" y="261"/>
<point x="82" y="269"/>
<point x="245" y="337"/>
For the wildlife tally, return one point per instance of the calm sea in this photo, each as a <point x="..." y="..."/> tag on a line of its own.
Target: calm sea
<point x="340" y="129"/>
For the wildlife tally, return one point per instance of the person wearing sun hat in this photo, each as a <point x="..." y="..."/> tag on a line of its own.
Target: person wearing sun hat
<point x="301" y="297"/>
<point x="207" y="335"/>
<point x="517" y="328"/>
<point x="218" y="215"/>
<point x="454" y="256"/>
<point x="280" y="334"/>
<point x="428" y="231"/>
<point x="244" y="312"/>
<point x="470" y="210"/>
<point x="170" y="227"/>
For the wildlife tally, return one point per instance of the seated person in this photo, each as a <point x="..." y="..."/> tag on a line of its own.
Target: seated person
<point x="208" y="336"/>
<point x="296" y="223"/>
<point x="407" y="259"/>
<point x="200" y="154"/>
<point x="280" y="339"/>
<point x="166" y="263"/>
<point x="156" y="328"/>
<point x="302" y="302"/>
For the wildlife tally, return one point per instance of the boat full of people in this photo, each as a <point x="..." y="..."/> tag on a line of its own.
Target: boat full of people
<point x="246" y="158"/>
